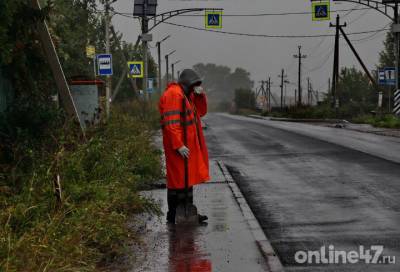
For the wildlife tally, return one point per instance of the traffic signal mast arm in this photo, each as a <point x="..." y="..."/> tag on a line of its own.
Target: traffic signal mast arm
<point x="378" y="6"/>
<point x="162" y="17"/>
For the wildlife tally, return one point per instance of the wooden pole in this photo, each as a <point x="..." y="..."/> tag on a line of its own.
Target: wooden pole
<point x="55" y="66"/>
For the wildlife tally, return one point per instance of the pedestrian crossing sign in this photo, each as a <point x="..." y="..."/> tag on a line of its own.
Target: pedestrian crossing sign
<point x="135" y="69"/>
<point x="213" y="19"/>
<point x="321" y="11"/>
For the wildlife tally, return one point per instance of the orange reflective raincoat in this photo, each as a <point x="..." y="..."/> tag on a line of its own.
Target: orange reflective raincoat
<point x="170" y="106"/>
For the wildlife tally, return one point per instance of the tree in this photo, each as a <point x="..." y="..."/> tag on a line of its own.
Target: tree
<point x="356" y="92"/>
<point x="220" y="82"/>
<point x="245" y="99"/>
<point x="387" y="57"/>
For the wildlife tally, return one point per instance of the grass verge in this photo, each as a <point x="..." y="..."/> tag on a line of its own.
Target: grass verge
<point x="100" y="179"/>
<point x="384" y="121"/>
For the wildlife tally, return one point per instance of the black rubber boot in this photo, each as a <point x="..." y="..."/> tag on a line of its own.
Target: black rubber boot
<point x="172" y="199"/>
<point x="171" y="217"/>
<point x="202" y="218"/>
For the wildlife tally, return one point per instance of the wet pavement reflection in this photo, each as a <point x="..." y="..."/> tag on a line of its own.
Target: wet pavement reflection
<point x="185" y="254"/>
<point x="225" y="244"/>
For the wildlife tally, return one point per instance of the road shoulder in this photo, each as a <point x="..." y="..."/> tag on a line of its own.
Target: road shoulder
<point x="232" y="240"/>
<point x="384" y="147"/>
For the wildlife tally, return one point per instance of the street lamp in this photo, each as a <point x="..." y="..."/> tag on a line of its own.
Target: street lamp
<point x="159" y="60"/>
<point x="167" y="65"/>
<point x="173" y="69"/>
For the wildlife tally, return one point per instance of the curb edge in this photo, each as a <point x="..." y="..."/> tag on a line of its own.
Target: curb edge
<point x="262" y="241"/>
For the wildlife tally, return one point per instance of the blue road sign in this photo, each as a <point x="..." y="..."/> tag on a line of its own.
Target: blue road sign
<point x="104" y="64"/>
<point x="321" y="11"/>
<point x="213" y="19"/>
<point x="387" y="76"/>
<point x="135" y="69"/>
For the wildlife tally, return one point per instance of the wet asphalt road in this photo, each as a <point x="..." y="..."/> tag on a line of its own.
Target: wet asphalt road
<point x="308" y="193"/>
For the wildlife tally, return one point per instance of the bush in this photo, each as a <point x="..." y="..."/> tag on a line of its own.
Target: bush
<point x="245" y="99"/>
<point x="385" y="121"/>
<point x="100" y="179"/>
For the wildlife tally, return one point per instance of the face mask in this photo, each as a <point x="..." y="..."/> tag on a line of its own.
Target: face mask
<point x="198" y="89"/>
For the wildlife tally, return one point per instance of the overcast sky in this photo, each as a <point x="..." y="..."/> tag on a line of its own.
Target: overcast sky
<point x="261" y="56"/>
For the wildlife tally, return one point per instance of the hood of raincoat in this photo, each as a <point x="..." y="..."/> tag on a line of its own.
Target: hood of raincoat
<point x="189" y="78"/>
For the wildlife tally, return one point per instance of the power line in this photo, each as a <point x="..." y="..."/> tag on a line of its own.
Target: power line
<point x="257" y="14"/>
<point x="324" y="62"/>
<point x="369" y="37"/>
<point x="358" y="17"/>
<point x="272" y="36"/>
<point x="314" y="49"/>
<point x="258" y="35"/>
<point x="353" y="9"/>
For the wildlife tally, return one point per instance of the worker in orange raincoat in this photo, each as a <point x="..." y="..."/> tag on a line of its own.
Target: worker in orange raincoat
<point x="187" y="90"/>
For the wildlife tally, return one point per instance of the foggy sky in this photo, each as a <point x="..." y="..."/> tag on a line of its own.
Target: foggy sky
<point x="261" y="56"/>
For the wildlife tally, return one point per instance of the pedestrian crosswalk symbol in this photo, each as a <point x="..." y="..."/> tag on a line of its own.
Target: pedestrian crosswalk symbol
<point x="213" y="19"/>
<point x="135" y="69"/>
<point x="321" y="11"/>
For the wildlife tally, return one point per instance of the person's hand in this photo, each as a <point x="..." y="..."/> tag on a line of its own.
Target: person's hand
<point x="198" y="90"/>
<point x="184" y="151"/>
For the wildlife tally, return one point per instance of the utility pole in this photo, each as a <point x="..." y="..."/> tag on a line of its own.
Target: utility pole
<point x="55" y="67"/>
<point x="329" y="86"/>
<point x="167" y="65"/>
<point x="397" y="46"/>
<point x="108" y="79"/>
<point x="335" y="77"/>
<point x="269" y="94"/>
<point x="159" y="66"/>
<point x="173" y="69"/>
<point x="282" y="76"/>
<point x="145" y="26"/>
<point x="300" y="57"/>
<point x="159" y="61"/>
<point x="146" y="37"/>
<point x="308" y="92"/>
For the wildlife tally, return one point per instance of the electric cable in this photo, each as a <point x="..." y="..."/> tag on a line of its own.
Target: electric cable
<point x="259" y="14"/>
<point x="272" y="36"/>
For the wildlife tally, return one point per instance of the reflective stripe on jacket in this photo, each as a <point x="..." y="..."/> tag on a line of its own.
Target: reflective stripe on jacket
<point x="171" y="112"/>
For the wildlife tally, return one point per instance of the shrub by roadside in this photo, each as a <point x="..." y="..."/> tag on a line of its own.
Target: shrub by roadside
<point x="384" y="121"/>
<point x="100" y="180"/>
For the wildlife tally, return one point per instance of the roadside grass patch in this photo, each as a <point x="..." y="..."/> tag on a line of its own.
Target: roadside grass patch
<point x="100" y="180"/>
<point x="385" y="121"/>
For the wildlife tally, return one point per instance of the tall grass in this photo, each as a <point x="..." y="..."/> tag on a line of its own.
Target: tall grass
<point x="100" y="179"/>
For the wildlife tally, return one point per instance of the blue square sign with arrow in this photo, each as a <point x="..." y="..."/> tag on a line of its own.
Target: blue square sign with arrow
<point x="213" y="19"/>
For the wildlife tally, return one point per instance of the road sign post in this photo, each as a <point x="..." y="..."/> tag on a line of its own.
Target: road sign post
<point x="396" y="108"/>
<point x="380" y="100"/>
<point x="150" y="84"/>
<point x="213" y="19"/>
